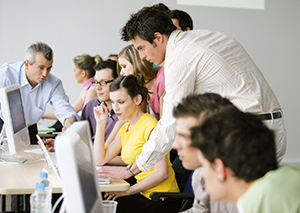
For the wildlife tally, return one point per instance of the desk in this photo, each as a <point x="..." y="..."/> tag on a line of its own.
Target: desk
<point x="16" y="179"/>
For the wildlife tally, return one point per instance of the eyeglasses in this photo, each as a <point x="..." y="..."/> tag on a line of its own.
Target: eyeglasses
<point x="101" y="83"/>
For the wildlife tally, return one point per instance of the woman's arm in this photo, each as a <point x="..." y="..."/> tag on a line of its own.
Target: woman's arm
<point x="159" y="174"/>
<point x="116" y="161"/>
<point x="78" y="104"/>
<point x="161" y="103"/>
<point x="104" y="154"/>
<point x="114" y="132"/>
<point x="91" y="94"/>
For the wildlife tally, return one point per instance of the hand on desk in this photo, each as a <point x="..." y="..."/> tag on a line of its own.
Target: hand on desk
<point x="49" y="143"/>
<point x="118" y="172"/>
<point x="115" y="195"/>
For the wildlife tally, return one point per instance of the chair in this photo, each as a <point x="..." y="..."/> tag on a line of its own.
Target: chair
<point x="182" y="177"/>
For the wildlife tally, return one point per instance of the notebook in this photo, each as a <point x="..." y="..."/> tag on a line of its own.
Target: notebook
<point x="51" y="160"/>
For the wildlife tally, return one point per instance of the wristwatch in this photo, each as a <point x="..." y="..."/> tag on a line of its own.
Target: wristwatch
<point x="128" y="170"/>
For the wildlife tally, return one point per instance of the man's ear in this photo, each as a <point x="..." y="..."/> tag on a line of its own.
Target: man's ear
<point x="220" y="169"/>
<point x="138" y="99"/>
<point x="159" y="37"/>
<point x="26" y="63"/>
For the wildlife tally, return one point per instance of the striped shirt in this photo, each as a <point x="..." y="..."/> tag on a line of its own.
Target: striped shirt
<point x="203" y="61"/>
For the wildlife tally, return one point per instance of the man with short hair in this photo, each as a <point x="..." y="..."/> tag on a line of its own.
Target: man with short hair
<point x="182" y="20"/>
<point x="196" y="61"/>
<point x="238" y="155"/>
<point x="187" y="114"/>
<point x="38" y="87"/>
<point x="106" y="72"/>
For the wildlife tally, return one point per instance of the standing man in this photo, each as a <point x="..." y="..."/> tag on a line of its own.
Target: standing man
<point x="38" y="87"/>
<point x="196" y="61"/>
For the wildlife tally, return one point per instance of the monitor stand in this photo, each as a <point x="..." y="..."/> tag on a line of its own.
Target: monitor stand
<point x="6" y="157"/>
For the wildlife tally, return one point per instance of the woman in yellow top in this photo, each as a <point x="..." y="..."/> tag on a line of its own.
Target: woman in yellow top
<point x="128" y="96"/>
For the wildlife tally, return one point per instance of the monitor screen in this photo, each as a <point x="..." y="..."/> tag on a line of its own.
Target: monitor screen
<point x="16" y="110"/>
<point x="77" y="169"/>
<point x="13" y="115"/>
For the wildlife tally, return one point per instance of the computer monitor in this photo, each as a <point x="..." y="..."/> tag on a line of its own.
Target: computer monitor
<point x="12" y="113"/>
<point x="77" y="169"/>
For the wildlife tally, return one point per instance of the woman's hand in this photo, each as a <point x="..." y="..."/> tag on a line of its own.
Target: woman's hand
<point x="101" y="113"/>
<point x="115" y="195"/>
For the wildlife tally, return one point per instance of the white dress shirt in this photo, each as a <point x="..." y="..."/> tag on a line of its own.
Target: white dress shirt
<point x="203" y="61"/>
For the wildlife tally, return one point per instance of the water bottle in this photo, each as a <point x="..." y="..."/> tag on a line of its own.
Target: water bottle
<point x="48" y="188"/>
<point x="38" y="199"/>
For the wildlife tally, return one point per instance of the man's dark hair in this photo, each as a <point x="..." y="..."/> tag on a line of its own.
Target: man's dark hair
<point x="184" y="19"/>
<point x="194" y="104"/>
<point x="240" y="140"/>
<point x="145" y="23"/>
<point x="163" y="7"/>
<point x="108" y="64"/>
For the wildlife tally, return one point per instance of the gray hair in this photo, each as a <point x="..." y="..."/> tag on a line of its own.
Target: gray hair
<point x="38" y="47"/>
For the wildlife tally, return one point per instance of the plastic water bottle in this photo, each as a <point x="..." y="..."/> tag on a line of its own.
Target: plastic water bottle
<point x="48" y="188"/>
<point x="38" y="199"/>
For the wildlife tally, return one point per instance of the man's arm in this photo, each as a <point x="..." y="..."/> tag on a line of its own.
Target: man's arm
<point x="61" y="107"/>
<point x="68" y="122"/>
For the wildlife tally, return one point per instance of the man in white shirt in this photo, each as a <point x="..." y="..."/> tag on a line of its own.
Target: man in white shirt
<point x="196" y="61"/>
<point x="38" y="87"/>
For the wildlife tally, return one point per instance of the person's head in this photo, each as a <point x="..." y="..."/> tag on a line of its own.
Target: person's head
<point x="130" y="63"/>
<point x="182" y="20"/>
<point x="234" y="147"/>
<point x="187" y="114"/>
<point x="38" y="63"/>
<point x="84" y="66"/>
<point x="149" y="30"/>
<point x="106" y="72"/>
<point x="113" y="57"/>
<point x="128" y="95"/>
<point x="163" y="7"/>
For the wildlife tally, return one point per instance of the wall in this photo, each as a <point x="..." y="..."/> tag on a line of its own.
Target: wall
<point x="71" y="28"/>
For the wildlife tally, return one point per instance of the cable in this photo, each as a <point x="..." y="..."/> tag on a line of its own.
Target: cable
<point x="57" y="202"/>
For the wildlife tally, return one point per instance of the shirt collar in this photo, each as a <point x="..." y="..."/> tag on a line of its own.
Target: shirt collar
<point x="88" y="83"/>
<point x="23" y="78"/>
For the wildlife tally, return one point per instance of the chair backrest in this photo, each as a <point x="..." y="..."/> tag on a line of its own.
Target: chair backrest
<point x="181" y="174"/>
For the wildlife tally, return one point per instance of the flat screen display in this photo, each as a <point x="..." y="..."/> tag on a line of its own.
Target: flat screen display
<point x="16" y="110"/>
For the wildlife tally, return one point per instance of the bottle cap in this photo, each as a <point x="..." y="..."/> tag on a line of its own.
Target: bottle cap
<point x="43" y="174"/>
<point x="39" y="186"/>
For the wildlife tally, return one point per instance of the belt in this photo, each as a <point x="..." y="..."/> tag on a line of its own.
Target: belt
<point x="270" y="115"/>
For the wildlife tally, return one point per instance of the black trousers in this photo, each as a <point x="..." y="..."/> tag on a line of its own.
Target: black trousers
<point x="139" y="204"/>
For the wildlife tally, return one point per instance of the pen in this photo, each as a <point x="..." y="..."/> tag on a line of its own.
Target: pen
<point x="108" y="112"/>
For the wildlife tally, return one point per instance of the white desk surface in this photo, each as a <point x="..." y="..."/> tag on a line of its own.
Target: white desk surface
<point x="21" y="178"/>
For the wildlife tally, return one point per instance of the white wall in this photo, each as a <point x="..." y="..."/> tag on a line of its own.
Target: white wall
<point x="71" y="28"/>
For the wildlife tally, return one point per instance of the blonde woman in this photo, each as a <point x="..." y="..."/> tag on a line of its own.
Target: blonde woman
<point x="130" y="62"/>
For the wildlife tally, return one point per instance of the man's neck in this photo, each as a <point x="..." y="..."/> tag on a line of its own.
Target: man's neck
<point x="237" y="188"/>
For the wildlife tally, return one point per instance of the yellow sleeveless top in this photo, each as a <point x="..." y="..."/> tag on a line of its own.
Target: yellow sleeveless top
<point x="132" y="143"/>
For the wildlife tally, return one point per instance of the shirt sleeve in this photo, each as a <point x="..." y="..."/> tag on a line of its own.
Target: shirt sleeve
<point x="62" y="109"/>
<point x="180" y="81"/>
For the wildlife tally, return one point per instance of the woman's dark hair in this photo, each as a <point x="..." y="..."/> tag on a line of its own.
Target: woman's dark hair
<point x="134" y="85"/>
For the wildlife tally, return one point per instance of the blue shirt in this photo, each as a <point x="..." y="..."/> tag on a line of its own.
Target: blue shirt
<point x="35" y="99"/>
